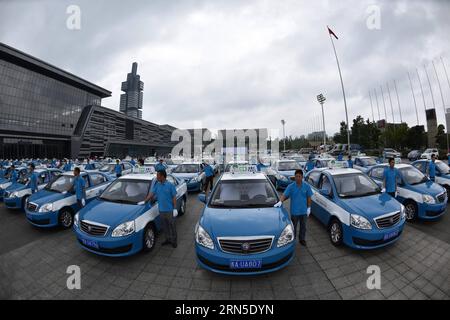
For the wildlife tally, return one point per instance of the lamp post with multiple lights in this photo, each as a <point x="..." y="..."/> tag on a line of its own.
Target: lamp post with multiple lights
<point x="321" y="100"/>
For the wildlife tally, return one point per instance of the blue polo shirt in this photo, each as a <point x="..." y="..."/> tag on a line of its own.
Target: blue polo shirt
<point x="13" y="177"/>
<point x="260" y="166"/>
<point x="164" y="193"/>
<point x="340" y="157"/>
<point x="390" y="176"/>
<point x="34" y="182"/>
<point x="350" y="163"/>
<point x="160" y="167"/>
<point x="67" y="167"/>
<point x="79" y="185"/>
<point x="432" y="169"/>
<point x="309" y="165"/>
<point x="209" y="172"/>
<point x="118" y="169"/>
<point x="298" y="196"/>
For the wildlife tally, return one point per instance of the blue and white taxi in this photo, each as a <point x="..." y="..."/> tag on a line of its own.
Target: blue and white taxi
<point x="191" y="173"/>
<point x="421" y="197"/>
<point x="354" y="210"/>
<point x="17" y="194"/>
<point x="442" y="172"/>
<point x="283" y="171"/>
<point x="6" y="182"/>
<point x="240" y="231"/>
<point x="364" y="163"/>
<point x="118" y="222"/>
<point x="109" y="169"/>
<point x="56" y="204"/>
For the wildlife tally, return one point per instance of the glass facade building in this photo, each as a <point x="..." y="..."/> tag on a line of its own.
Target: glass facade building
<point x="48" y="112"/>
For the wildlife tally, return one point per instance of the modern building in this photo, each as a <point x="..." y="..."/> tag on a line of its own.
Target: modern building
<point x="432" y="127"/>
<point x="48" y="112"/>
<point x="131" y="100"/>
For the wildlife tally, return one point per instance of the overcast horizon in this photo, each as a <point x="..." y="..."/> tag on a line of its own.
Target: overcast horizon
<point x="234" y="64"/>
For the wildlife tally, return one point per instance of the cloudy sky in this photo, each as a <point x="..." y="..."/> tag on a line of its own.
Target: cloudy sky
<point x="245" y="64"/>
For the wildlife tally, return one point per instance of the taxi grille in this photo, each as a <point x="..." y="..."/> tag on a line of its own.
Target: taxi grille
<point x="92" y="229"/>
<point x="389" y="221"/>
<point x="441" y="197"/>
<point x="245" y="246"/>
<point x="32" y="206"/>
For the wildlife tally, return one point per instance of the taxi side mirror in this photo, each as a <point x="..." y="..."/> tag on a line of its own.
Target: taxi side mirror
<point x="202" y="198"/>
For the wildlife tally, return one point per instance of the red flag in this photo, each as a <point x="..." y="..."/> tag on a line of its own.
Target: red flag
<point x="332" y="33"/>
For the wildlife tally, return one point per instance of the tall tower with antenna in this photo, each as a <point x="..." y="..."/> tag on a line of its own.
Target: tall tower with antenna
<point x="131" y="100"/>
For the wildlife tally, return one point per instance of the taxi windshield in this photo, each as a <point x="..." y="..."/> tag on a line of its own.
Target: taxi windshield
<point x="355" y="185"/>
<point x="243" y="194"/>
<point x="442" y="167"/>
<point x="187" y="168"/>
<point x="23" y="178"/>
<point x="368" y="161"/>
<point x="288" y="166"/>
<point x="413" y="176"/>
<point x="61" y="184"/>
<point x="108" y="168"/>
<point x="126" y="191"/>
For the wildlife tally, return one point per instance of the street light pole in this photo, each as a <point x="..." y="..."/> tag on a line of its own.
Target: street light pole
<point x="321" y="100"/>
<point x="284" y="135"/>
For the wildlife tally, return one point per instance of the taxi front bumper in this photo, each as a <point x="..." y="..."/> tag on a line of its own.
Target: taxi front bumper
<point x="431" y="211"/>
<point x="42" y="219"/>
<point x="13" y="203"/>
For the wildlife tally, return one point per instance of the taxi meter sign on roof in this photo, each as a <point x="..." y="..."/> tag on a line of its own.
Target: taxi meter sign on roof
<point x="243" y="168"/>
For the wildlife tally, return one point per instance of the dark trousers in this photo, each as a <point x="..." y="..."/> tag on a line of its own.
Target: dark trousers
<point x="209" y="181"/>
<point x="80" y="204"/>
<point x="168" y="226"/>
<point x="302" y="221"/>
<point x="392" y="194"/>
<point x="118" y="175"/>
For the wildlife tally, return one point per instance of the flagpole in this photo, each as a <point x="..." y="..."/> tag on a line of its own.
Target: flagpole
<point x="343" y="90"/>
<point x="371" y="106"/>
<point x="414" y="98"/>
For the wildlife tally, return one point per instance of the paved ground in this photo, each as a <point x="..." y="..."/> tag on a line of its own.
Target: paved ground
<point x="33" y="265"/>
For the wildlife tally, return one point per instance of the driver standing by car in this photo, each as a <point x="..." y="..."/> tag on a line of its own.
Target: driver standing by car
<point x="166" y="194"/>
<point x="300" y="194"/>
<point x="118" y="169"/>
<point x="33" y="179"/>
<point x="160" y="166"/>
<point x="349" y="162"/>
<point x="209" y="173"/>
<point x="390" y="176"/>
<point x="13" y="177"/>
<point x="79" y="186"/>
<point x="432" y="168"/>
<point x="310" y="163"/>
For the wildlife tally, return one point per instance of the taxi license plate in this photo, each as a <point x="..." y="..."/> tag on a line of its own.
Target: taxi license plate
<point x="390" y="235"/>
<point x="245" y="264"/>
<point x="90" y="243"/>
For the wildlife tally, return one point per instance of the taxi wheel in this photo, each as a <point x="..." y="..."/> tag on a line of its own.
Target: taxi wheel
<point x="336" y="233"/>
<point x="182" y="207"/>
<point x="24" y="201"/>
<point x="65" y="219"/>
<point x="411" y="210"/>
<point x="149" y="239"/>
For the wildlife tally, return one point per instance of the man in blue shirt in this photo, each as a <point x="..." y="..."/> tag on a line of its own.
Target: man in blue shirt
<point x="300" y="194"/>
<point x="340" y="157"/>
<point x="160" y="166"/>
<point x="79" y="186"/>
<point x="118" y="169"/>
<point x="309" y="164"/>
<point x="67" y="166"/>
<point x="33" y="179"/>
<point x="166" y="194"/>
<point x="209" y="173"/>
<point x="390" y="177"/>
<point x="133" y="162"/>
<point x="349" y="162"/>
<point x="13" y="177"/>
<point x="432" y="168"/>
<point x="260" y="166"/>
<point x="89" y="165"/>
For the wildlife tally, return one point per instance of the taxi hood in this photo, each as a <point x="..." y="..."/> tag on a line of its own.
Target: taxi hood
<point x="428" y="187"/>
<point x="371" y="206"/>
<point x="110" y="213"/>
<point x="45" y="196"/>
<point x="17" y="187"/>
<point x="219" y="222"/>
<point x="185" y="176"/>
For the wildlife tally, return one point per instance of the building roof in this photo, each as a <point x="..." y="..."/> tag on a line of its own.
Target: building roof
<point x="29" y="62"/>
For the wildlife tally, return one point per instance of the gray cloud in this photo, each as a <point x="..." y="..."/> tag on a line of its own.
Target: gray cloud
<point x="240" y="63"/>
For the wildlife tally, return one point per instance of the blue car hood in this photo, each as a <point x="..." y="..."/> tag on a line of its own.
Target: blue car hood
<point x="371" y="206"/>
<point x="428" y="187"/>
<point x="185" y="176"/>
<point x="16" y="187"/>
<point x="110" y="213"/>
<point x="244" y="222"/>
<point x="44" y="196"/>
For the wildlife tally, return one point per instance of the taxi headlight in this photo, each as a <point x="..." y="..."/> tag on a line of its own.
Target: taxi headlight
<point x="46" y="207"/>
<point x="428" y="199"/>
<point x="124" y="229"/>
<point x="203" y="238"/>
<point x="76" y="219"/>
<point x="360" y="222"/>
<point x="402" y="212"/>
<point x="286" y="237"/>
<point x="14" y="194"/>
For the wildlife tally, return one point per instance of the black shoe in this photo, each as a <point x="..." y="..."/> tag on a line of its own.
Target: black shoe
<point x="303" y="242"/>
<point x="165" y="243"/>
<point x="174" y="245"/>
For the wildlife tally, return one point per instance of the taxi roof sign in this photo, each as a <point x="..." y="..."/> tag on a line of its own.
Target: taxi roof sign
<point x="242" y="168"/>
